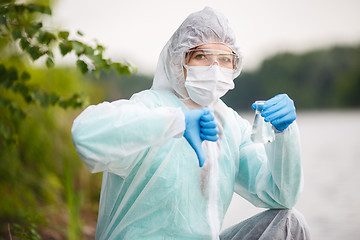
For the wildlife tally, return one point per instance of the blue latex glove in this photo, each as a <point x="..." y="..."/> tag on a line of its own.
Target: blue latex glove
<point x="200" y="125"/>
<point x="279" y="111"/>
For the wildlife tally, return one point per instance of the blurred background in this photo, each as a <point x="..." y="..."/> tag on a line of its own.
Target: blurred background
<point x="307" y="49"/>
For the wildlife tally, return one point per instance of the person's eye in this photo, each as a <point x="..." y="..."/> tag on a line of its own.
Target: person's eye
<point x="226" y="59"/>
<point x="199" y="56"/>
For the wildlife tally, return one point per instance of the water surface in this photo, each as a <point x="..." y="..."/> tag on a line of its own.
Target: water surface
<point x="331" y="160"/>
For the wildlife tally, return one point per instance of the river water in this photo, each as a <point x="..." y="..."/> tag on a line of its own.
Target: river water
<point x="330" y="200"/>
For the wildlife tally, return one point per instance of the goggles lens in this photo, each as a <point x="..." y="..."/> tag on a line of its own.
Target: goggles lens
<point x="207" y="57"/>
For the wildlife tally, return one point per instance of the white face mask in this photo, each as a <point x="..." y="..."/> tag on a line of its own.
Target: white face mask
<point x="205" y="84"/>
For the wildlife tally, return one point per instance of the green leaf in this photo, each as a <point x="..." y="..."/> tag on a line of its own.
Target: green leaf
<point x="3" y="73"/>
<point x="49" y="62"/>
<point x="65" y="47"/>
<point x="50" y="53"/>
<point x="63" y="35"/>
<point x="89" y="50"/>
<point x="16" y="110"/>
<point x="9" y="77"/>
<point x="3" y="20"/>
<point x="63" y="104"/>
<point x="100" y="48"/>
<point x="80" y="33"/>
<point x="35" y="52"/>
<point x="47" y="10"/>
<point x="24" y="43"/>
<point x="25" y="76"/>
<point x="31" y="31"/>
<point x="17" y="9"/>
<point x="78" y="47"/>
<point x="76" y="101"/>
<point x="97" y="60"/>
<point x="107" y="66"/>
<point x="53" y="98"/>
<point x="38" y="8"/>
<point x="16" y="33"/>
<point x="46" y="37"/>
<point x="13" y="74"/>
<point x="4" y="10"/>
<point x="22" y="89"/>
<point x="29" y="98"/>
<point x="37" y="25"/>
<point x="121" y="69"/>
<point x="82" y="66"/>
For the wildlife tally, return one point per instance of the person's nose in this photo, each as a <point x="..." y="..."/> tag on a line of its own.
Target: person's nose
<point x="215" y="61"/>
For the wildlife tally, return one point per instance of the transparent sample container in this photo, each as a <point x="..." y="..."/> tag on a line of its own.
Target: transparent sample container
<point x="262" y="132"/>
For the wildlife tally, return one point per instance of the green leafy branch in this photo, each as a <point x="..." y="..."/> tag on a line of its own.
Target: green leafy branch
<point x="24" y="39"/>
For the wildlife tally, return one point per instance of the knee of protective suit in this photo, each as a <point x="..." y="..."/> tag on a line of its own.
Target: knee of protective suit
<point x="271" y="224"/>
<point x="293" y="223"/>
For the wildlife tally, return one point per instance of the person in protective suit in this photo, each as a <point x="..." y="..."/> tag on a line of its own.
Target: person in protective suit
<point x="172" y="156"/>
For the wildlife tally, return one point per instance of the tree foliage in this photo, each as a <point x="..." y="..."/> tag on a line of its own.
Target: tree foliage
<point x="46" y="187"/>
<point x="41" y="178"/>
<point x="24" y="39"/>
<point x="322" y="79"/>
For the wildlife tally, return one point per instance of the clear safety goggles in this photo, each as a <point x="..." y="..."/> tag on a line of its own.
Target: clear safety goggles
<point x="208" y="57"/>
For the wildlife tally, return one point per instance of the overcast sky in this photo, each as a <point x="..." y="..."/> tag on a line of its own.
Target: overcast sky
<point x="137" y="30"/>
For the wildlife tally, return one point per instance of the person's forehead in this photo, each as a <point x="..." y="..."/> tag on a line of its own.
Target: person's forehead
<point x="217" y="46"/>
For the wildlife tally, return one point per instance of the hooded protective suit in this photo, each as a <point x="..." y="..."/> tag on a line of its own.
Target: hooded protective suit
<point x="152" y="185"/>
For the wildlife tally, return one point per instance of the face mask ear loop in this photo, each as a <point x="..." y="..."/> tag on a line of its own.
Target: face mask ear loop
<point x="183" y="61"/>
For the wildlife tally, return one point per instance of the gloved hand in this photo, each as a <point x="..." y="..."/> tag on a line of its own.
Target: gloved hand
<point x="200" y="125"/>
<point x="279" y="111"/>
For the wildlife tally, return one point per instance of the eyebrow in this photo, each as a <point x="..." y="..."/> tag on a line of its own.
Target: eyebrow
<point x="198" y="50"/>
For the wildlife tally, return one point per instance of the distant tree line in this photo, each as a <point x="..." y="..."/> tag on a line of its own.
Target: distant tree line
<point x="321" y="79"/>
<point x="326" y="78"/>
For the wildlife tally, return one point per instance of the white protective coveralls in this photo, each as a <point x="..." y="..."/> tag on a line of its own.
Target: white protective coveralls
<point x="153" y="187"/>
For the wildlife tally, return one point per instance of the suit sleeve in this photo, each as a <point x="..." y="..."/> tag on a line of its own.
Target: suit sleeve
<point x="115" y="136"/>
<point x="270" y="175"/>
